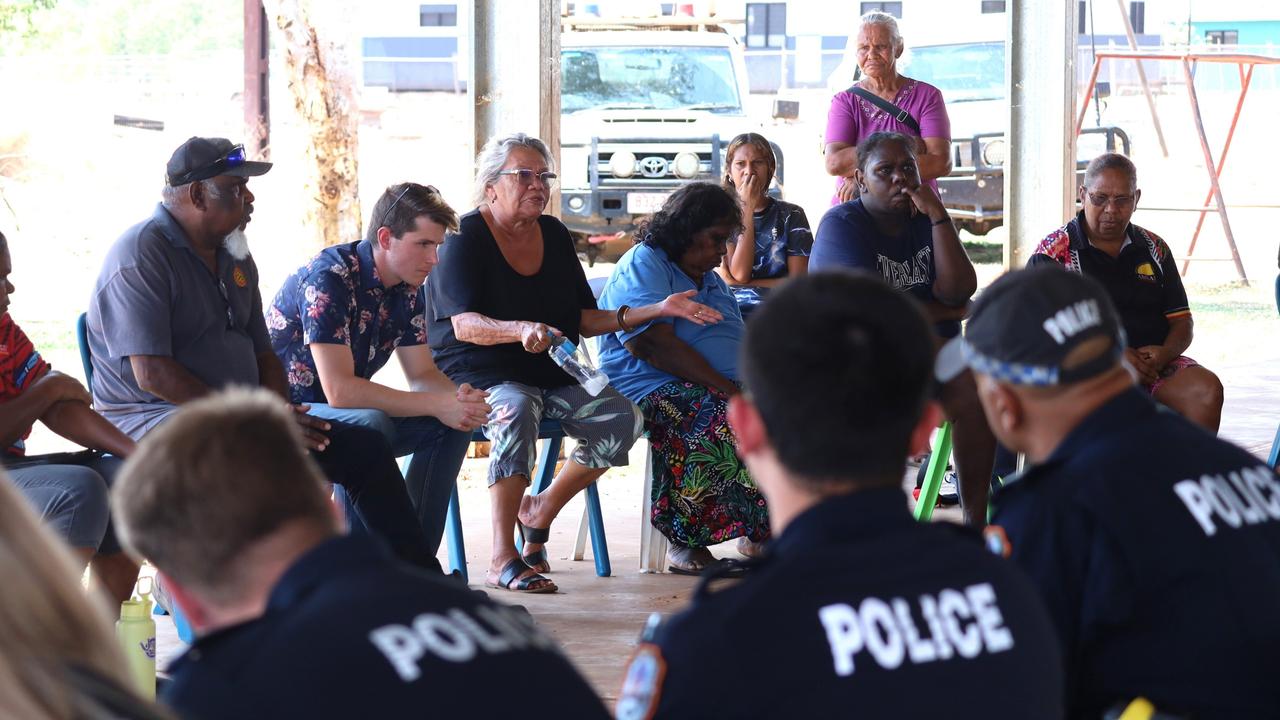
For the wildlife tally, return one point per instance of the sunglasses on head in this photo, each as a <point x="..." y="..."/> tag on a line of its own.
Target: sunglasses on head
<point x="430" y="189"/>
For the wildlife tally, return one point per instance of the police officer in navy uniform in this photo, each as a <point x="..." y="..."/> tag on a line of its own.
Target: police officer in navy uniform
<point x="1156" y="546"/>
<point x="294" y="620"/>
<point x="856" y="610"/>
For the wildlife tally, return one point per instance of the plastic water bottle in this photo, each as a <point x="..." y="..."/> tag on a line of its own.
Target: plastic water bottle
<point x="136" y="632"/>
<point x="571" y="360"/>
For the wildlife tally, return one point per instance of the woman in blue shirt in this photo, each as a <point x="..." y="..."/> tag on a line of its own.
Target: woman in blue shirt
<point x="682" y="373"/>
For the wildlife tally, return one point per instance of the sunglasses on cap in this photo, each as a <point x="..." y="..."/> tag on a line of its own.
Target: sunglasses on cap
<point x="232" y="158"/>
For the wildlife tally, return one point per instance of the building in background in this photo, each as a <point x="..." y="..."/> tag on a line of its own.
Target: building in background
<point x="415" y="46"/>
<point x="806" y="43"/>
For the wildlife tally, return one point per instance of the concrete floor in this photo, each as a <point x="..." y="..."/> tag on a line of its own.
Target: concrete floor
<point x="597" y="620"/>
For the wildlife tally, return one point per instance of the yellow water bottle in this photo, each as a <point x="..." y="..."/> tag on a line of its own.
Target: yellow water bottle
<point x="136" y="632"/>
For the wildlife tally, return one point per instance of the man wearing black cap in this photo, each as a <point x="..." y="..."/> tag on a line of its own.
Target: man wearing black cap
<point x="1155" y="545"/>
<point x="856" y="610"/>
<point x="176" y="313"/>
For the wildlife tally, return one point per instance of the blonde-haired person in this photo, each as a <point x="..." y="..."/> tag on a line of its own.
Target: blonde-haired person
<point x="775" y="240"/>
<point x="294" y="619"/>
<point x="58" y="659"/>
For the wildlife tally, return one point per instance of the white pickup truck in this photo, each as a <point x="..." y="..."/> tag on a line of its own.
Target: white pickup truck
<point x="643" y="112"/>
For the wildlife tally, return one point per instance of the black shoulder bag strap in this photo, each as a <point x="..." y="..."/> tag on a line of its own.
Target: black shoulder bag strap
<point x="898" y="113"/>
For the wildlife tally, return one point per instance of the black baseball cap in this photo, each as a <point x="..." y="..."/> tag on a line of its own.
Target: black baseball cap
<point x="202" y="158"/>
<point x="1026" y="329"/>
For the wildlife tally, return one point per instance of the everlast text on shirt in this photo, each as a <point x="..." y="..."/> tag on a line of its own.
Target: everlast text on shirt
<point x="956" y="623"/>
<point x="1247" y="496"/>
<point x="456" y="636"/>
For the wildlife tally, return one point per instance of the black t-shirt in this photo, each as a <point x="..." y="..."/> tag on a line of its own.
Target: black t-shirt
<point x="1156" y="548"/>
<point x="857" y="611"/>
<point x="349" y="633"/>
<point x="473" y="276"/>
<point x="1143" y="280"/>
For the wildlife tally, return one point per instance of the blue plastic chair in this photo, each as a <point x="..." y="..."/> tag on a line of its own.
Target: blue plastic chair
<point x="185" y="633"/>
<point x="543" y="473"/>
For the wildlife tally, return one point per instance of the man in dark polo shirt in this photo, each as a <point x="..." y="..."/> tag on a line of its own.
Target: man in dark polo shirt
<point x="176" y="313"/>
<point x="294" y="620"/>
<point x="1155" y="545"/>
<point x="856" y="610"/>
<point x="1138" y="271"/>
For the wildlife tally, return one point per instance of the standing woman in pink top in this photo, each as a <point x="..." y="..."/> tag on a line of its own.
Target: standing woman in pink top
<point x="865" y="108"/>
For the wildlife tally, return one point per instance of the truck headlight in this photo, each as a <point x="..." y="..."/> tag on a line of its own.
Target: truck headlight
<point x="993" y="153"/>
<point x="686" y="165"/>
<point x="623" y="164"/>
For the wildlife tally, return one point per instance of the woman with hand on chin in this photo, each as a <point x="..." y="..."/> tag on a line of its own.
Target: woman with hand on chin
<point x="509" y="285"/>
<point x="898" y="229"/>
<point x="775" y="240"/>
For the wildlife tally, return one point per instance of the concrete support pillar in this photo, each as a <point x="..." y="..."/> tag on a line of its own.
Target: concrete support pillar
<point x="1039" y="176"/>
<point x="516" y="72"/>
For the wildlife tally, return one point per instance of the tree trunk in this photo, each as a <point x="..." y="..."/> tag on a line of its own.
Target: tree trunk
<point x="322" y="85"/>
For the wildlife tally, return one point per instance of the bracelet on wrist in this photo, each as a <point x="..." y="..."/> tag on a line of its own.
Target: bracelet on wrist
<point x="622" y="318"/>
<point x="944" y="219"/>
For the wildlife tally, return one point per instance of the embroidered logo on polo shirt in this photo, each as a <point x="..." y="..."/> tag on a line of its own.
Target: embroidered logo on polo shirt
<point x="1145" y="272"/>
<point x="238" y="275"/>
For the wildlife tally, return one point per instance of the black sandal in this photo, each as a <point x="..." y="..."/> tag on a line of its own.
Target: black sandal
<point x="538" y="558"/>
<point x="513" y="570"/>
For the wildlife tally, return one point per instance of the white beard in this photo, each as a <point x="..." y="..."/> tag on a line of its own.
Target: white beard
<point x="237" y="244"/>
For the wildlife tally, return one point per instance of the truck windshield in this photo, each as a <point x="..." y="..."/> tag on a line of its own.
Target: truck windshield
<point x="964" y="73"/>
<point x="651" y="78"/>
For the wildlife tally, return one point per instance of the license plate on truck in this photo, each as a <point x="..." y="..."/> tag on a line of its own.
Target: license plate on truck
<point x="645" y="203"/>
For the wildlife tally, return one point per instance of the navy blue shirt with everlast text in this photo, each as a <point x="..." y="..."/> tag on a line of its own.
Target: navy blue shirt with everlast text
<point x="349" y="633"/>
<point x="857" y="611"/>
<point x="848" y="237"/>
<point x="1156" y="548"/>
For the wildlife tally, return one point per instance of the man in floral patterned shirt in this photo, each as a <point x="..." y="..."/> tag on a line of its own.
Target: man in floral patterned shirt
<point x="338" y="319"/>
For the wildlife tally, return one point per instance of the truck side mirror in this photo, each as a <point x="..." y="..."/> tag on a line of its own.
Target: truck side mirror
<point x="1103" y="89"/>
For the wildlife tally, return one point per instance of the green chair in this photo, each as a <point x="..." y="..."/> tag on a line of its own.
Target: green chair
<point x="934" y="472"/>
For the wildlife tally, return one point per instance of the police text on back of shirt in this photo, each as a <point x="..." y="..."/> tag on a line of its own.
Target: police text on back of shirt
<point x="962" y="623"/>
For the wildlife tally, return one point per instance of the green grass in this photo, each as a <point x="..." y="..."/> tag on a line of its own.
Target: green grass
<point x="48" y="335"/>
<point x="984" y="253"/>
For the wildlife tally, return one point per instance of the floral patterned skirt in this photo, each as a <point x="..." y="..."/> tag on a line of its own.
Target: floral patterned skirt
<point x="702" y="494"/>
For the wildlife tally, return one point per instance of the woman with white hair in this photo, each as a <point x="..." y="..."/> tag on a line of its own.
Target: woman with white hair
<point x="885" y="101"/>
<point x="508" y="286"/>
<point x="59" y="659"/>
